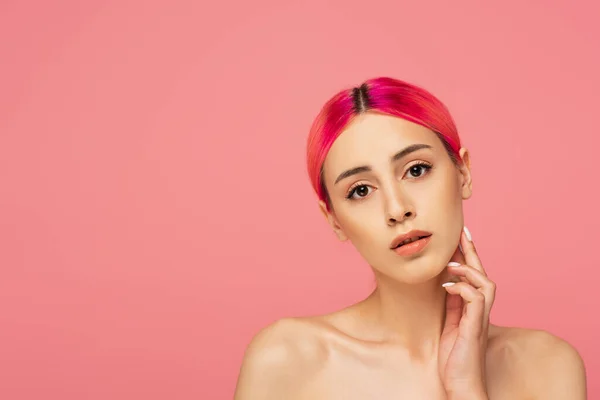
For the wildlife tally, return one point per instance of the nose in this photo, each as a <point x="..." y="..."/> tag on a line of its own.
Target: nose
<point x="398" y="207"/>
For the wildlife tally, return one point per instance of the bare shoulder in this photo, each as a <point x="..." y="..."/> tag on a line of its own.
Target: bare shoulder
<point x="288" y="339"/>
<point x="547" y="366"/>
<point x="279" y="358"/>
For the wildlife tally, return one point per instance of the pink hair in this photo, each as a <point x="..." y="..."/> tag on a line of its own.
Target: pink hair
<point x="384" y="95"/>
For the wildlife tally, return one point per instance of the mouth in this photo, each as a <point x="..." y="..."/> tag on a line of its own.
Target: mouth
<point x="411" y="240"/>
<point x="408" y="238"/>
<point x="410" y="243"/>
<point x="412" y="247"/>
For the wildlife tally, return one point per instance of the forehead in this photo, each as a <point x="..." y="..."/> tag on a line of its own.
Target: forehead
<point x="372" y="139"/>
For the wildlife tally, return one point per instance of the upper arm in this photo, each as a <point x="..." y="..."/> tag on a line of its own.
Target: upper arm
<point x="265" y="369"/>
<point x="559" y="371"/>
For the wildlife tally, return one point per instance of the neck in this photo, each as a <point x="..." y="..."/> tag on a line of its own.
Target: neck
<point x="410" y="315"/>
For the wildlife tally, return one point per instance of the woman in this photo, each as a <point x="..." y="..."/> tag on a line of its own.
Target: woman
<point x="386" y="163"/>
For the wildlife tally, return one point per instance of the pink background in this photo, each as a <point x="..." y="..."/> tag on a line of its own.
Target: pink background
<point x="154" y="207"/>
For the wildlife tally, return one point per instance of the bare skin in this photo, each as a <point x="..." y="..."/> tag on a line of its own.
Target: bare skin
<point x="311" y="358"/>
<point x="411" y="338"/>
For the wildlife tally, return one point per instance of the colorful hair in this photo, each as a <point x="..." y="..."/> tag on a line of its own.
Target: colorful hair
<point x="384" y="95"/>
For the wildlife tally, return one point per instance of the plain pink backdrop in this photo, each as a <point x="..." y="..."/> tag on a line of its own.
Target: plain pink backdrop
<point x="154" y="206"/>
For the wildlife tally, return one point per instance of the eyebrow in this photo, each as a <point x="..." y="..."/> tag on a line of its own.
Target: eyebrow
<point x="399" y="155"/>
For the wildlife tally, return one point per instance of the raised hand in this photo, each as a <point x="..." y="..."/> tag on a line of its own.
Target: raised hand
<point x="464" y="337"/>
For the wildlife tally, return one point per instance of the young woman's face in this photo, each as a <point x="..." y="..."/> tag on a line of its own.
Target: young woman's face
<point x="378" y="191"/>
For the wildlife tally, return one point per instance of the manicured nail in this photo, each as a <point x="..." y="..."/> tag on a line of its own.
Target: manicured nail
<point x="448" y="284"/>
<point x="453" y="264"/>
<point x="460" y="247"/>
<point x="468" y="234"/>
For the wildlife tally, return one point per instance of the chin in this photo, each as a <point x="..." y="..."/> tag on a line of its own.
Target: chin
<point x="417" y="271"/>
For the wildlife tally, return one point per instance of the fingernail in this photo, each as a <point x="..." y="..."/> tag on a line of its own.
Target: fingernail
<point x="448" y="284"/>
<point x="453" y="264"/>
<point x="460" y="247"/>
<point x="468" y="234"/>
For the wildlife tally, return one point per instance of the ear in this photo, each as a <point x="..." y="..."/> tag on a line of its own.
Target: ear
<point x="332" y="220"/>
<point x="465" y="174"/>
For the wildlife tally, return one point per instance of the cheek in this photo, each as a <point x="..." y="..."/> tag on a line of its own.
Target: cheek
<point x="439" y="206"/>
<point x="445" y="208"/>
<point x="443" y="193"/>
<point x="447" y="199"/>
<point x="362" y="226"/>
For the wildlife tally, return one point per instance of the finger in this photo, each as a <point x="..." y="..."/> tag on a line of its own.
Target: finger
<point x="478" y="280"/>
<point x="474" y="304"/>
<point x="454" y="311"/>
<point x="457" y="259"/>
<point x="475" y="277"/>
<point x="470" y="253"/>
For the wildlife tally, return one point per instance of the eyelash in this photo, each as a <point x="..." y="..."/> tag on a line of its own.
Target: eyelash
<point x="426" y="166"/>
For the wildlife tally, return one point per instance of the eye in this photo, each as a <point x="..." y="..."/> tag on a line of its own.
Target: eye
<point x="418" y="170"/>
<point x="358" y="191"/>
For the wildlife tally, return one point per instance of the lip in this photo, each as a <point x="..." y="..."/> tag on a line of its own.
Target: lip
<point x="409" y="235"/>
<point x="413" y="248"/>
